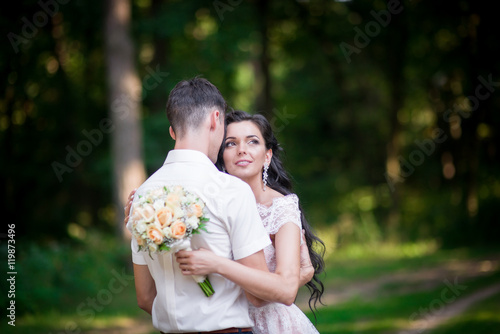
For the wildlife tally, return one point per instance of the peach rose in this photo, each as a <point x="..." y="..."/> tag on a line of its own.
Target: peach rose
<point x="164" y="216"/>
<point x="155" y="234"/>
<point x="178" y="229"/>
<point x="195" y="210"/>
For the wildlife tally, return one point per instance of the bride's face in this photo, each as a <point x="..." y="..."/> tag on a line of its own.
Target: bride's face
<point x="245" y="151"/>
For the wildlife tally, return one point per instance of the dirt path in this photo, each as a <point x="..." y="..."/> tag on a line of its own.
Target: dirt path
<point x="456" y="273"/>
<point x="404" y="282"/>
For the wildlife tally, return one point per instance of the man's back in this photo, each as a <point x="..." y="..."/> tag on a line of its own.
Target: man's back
<point x="234" y="231"/>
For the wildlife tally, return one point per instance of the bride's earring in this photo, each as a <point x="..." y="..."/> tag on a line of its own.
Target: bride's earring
<point x="223" y="169"/>
<point x="264" y="175"/>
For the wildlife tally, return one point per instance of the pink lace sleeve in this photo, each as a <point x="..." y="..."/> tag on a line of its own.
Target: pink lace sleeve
<point x="284" y="210"/>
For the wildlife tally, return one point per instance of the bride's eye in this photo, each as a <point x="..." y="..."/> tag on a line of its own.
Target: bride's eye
<point x="229" y="144"/>
<point x="254" y="141"/>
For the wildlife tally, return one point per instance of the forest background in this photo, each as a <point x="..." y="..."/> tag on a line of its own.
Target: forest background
<point x="387" y="113"/>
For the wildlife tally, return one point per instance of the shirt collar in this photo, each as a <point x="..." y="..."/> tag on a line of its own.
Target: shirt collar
<point x="182" y="155"/>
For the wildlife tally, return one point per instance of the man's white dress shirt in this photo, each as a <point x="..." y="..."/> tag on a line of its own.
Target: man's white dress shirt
<point x="235" y="231"/>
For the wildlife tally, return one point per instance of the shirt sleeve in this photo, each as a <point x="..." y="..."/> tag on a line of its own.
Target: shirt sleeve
<point x="246" y="231"/>
<point x="137" y="257"/>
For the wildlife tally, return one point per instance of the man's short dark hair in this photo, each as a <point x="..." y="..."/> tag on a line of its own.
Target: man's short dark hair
<point x="190" y="101"/>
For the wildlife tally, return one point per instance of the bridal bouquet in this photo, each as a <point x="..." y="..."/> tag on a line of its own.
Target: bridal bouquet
<point x="165" y="219"/>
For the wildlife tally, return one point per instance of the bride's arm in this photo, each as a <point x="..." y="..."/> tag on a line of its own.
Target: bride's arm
<point x="249" y="273"/>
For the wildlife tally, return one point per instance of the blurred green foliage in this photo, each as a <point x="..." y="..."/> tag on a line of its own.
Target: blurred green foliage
<point x="335" y="113"/>
<point x="72" y="287"/>
<point x="62" y="277"/>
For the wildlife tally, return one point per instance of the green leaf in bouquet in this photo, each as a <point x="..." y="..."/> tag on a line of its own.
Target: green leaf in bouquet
<point x="164" y="247"/>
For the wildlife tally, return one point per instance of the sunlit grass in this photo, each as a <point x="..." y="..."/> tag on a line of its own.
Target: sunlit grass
<point x="386" y="309"/>
<point x="361" y="262"/>
<point x="336" y="249"/>
<point x="387" y="250"/>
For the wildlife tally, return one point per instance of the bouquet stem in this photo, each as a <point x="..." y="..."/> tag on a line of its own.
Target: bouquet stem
<point x="207" y="288"/>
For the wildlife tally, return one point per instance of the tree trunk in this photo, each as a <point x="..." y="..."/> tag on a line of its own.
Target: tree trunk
<point x="396" y="56"/>
<point x="160" y="59"/>
<point x="125" y="92"/>
<point x="470" y="136"/>
<point x="263" y="77"/>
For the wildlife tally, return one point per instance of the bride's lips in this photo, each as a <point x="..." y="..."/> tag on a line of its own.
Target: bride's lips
<point x="243" y="162"/>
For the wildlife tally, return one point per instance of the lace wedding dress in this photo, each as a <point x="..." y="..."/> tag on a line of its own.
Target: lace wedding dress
<point x="275" y="318"/>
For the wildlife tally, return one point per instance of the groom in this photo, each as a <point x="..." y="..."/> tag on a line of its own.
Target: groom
<point x="196" y="111"/>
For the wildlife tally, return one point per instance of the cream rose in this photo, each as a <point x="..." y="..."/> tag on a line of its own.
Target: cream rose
<point x="192" y="222"/>
<point x="136" y="214"/>
<point x="173" y="200"/>
<point x="178" y="213"/>
<point x="178" y="229"/>
<point x="178" y="190"/>
<point x="167" y="232"/>
<point x="158" y="204"/>
<point x="156" y="193"/>
<point x="153" y="247"/>
<point x="140" y="227"/>
<point x="148" y="212"/>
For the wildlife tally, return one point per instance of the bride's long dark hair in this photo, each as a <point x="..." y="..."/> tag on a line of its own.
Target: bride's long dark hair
<point x="279" y="180"/>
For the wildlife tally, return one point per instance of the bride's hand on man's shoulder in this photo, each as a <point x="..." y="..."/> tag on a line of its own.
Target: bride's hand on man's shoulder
<point x="130" y="199"/>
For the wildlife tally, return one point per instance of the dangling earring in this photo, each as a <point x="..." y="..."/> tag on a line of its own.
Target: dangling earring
<point x="223" y="169"/>
<point x="264" y="175"/>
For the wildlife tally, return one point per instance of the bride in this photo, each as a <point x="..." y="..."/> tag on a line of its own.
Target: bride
<point x="250" y="151"/>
